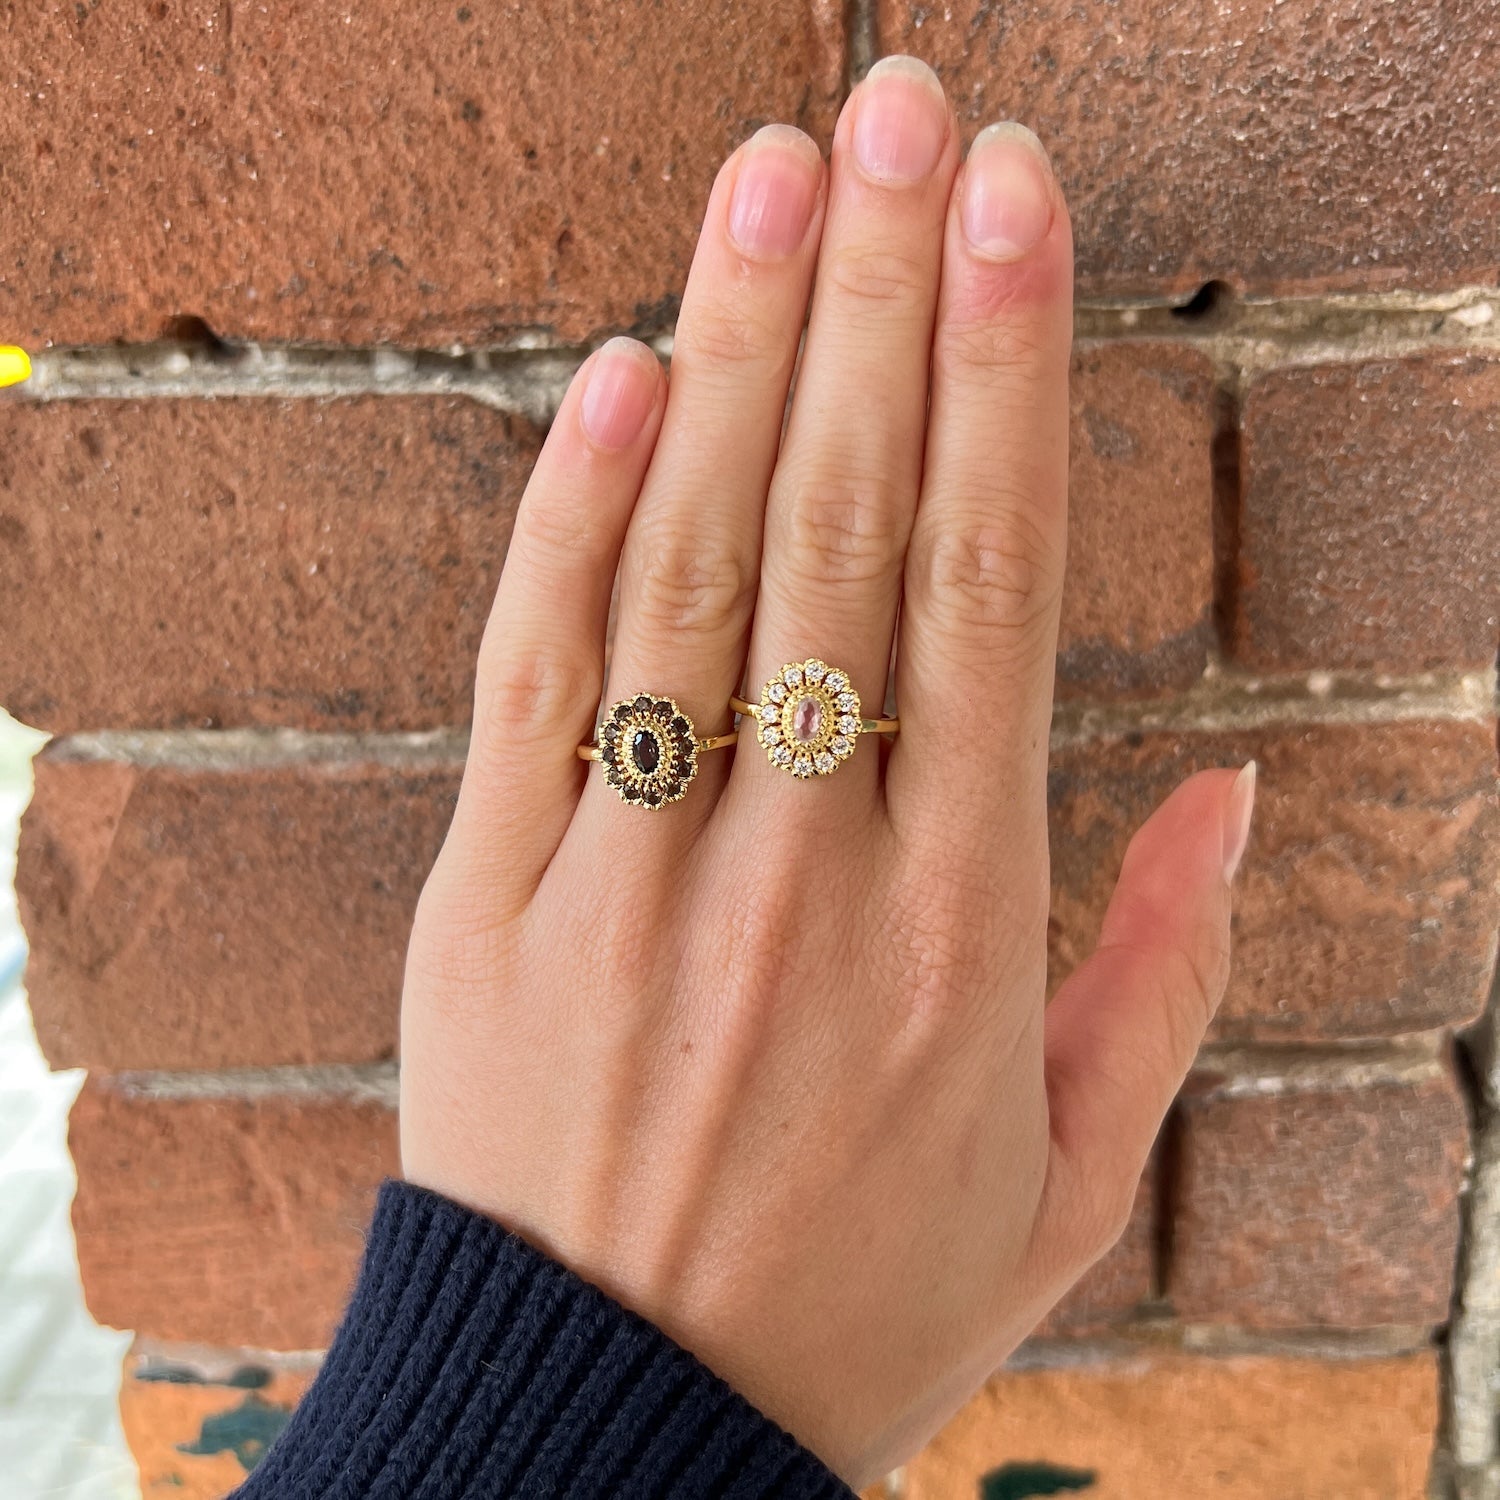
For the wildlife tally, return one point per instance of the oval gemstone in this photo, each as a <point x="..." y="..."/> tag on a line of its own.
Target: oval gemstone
<point x="645" y="751"/>
<point x="807" y="720"/>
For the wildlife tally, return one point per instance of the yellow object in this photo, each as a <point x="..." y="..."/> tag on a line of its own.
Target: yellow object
<point x="14" y="365"/>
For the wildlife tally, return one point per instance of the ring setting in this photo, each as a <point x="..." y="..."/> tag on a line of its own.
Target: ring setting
<point x="649" y="750"/>
<point x="809" y="718"/>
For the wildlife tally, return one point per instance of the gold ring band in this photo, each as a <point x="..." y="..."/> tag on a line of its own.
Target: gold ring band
<point x="649" y="750"/>
<point x="809" y="718"/>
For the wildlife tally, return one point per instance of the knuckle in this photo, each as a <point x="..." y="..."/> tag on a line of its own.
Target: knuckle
<point x="680" y="580"/>
<point x="875" y="276"/>
<point x="1104" y="1212"/>
<point x="728" y="335"/>
<point x="522" y="691"/>
<point x="845" y="530"/>
<point x="994" y="352"/>
<point x="995" y="575"/>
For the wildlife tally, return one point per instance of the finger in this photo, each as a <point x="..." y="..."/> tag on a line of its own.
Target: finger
<point x="541" y="663"/>
<point x="985" y="567"/>
<point x="1124" y="1029"/>
<point x="692" y="553"/>
<point x="845" y="488"/>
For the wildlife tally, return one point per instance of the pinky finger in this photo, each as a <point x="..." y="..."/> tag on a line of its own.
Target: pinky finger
<point x="541" y="663"/>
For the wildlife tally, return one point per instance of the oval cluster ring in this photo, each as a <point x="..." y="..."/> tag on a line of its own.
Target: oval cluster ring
<point x="809" y="718"/>
<point x="649" y="750"/>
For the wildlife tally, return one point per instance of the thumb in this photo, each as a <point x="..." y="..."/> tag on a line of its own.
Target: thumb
<point x="1124" y="1029"/>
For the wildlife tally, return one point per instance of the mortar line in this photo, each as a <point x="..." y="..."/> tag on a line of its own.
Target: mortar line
<point x="861" y="33"/>
<point x="527" y="376"/>
<point x="1218" y="703"/>
<point x="1221" y="1069"/>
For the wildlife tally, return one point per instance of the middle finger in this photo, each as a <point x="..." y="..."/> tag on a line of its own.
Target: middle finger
<point x="845" y="488"/>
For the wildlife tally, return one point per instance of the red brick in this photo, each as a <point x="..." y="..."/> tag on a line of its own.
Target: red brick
<point x="1369" y="535"/>
<point x="381" y="173"/>
<point x="1367" y="904"/>
<point x="324" y="564"/>
<point x="1248" y="1428"/>
<point x="224" y="918"/>
<point x="1137" y="608"/>
<point x="1284" y="146"/>
<point x="230" y="1221"/>
<point x="1320" y="1205"/>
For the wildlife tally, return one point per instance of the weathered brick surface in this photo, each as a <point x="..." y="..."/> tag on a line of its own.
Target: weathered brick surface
<point x="1318" y="1206"/>
<point x="319" y="564"/>
<point x="1369" y="534"/>
<point x="226" y="918"/>
<point x="245" y="916"/>
<point x="380" y="173"/>
<point x="239" y="1221"/>
<point x="1138" y="601"/>
<point x="1367" y="903"/>
<point x="1284" y="146"/>
<point x="1230" y="1429"/>
<point x="194" y="1435"/>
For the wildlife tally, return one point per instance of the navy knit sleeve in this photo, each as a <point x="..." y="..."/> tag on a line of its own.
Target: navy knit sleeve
<point x="470" y="1364"/>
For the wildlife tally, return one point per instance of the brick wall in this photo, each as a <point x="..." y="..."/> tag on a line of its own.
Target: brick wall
<point x="308" y="281"/>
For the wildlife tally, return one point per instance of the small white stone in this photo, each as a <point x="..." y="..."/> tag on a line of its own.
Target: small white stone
<point x="803" y="765"/>
<point x="848" y="702"/>
<point x="848" y="725"/>
<point x="771" y="734"/>
<point x="837" y="682"/>
<point x="776" y="692"/>
<point x="792" y="676"/>
<point x="814" y="670"/>
<point x="769" y="713"/>
<point x="842" y="745"/>
<point x="781" y="755"/>
<point x="825" y="763"/>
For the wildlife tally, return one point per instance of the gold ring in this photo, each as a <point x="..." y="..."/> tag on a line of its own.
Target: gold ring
<point x="809" y="718"/>
<point x="649" y="750"/>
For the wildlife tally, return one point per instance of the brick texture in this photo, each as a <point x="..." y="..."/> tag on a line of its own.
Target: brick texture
<point x="1325" y="1206"/>
<point x="223" y="919"/>
<point x="381" y="173"/>
<point x="244" y="916"/>
<point x="218" y="1219"/>
<point x="1369" y="535"/>
<point x="1229" y="1429"/>
<point x="1367" y="904"/>
<point x="243" y="562"/>
<point x="1138" y="602"/>
<point x="1281" y="147"/>
<point x="241" y="1220"/>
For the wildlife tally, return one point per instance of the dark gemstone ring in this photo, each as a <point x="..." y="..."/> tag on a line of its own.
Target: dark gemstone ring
<point x="649" y="750"/>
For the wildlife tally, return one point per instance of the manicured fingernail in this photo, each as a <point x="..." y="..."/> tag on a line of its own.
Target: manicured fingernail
<point x="14" y="365"/>
<point x="775" y="192"/>
<point x="1237" y="819"/>
<point x="620" y="393"/>
<point x="1007" y="193"/>
<point x="901" y="120"/>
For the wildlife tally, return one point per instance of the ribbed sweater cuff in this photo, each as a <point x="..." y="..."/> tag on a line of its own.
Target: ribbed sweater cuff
<point x="470" y="1364"/>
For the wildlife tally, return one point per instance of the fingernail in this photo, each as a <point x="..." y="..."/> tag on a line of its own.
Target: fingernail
<point x="1007" y="193"/>
<point x="14" y="365"/>
<point x="901" y="120"/>
<point x="1237" y="819"/>
<point x="620" y="393"/>
<point x="775" y="192"/>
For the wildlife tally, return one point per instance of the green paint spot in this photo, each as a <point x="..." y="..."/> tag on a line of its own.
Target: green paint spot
<point x="1022" y="1481"/>
<point x="244" y="1378"/>
<point x="246" y="1432"/>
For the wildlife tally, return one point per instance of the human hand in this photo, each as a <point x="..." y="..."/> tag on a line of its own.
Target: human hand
<point x="772" y="1065"/>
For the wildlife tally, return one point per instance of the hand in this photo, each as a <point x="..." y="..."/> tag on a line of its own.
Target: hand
<point x="772" y="1065"/>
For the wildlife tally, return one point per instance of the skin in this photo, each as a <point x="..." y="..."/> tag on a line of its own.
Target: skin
<point x="774" y="1065"/>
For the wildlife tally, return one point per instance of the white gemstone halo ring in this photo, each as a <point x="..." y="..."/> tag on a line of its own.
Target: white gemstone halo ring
<point x="809" y="718"/>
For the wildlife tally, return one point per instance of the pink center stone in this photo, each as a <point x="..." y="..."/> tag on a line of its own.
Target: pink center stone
<point x="807" y="720"/>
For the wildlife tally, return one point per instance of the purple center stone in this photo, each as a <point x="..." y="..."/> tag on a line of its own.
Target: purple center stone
<point x="807" y="720"/>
